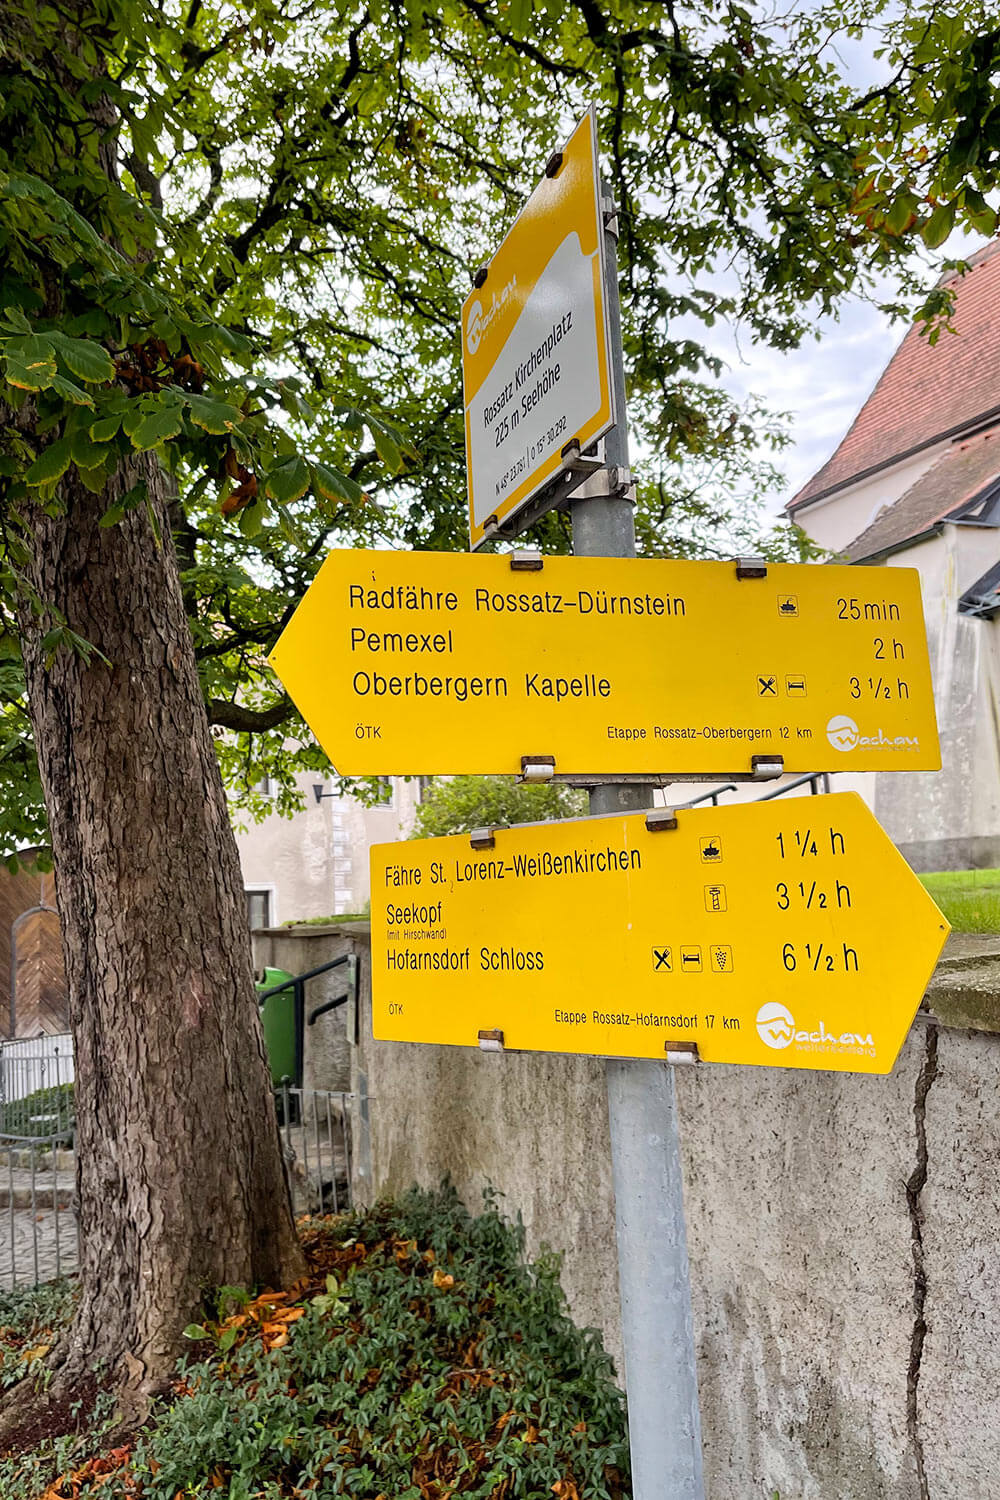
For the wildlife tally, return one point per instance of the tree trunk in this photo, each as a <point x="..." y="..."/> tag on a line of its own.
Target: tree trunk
<point x="179" y="1172"/>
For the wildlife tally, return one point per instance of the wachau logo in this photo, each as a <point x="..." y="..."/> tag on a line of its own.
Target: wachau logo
<point x="479" y="321"/>
<point x="776" y="1028"/>
<point x="844" y="734"/>
<point x="775" y="1025"/>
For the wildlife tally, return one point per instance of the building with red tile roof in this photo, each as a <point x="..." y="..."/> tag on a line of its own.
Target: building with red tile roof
<point x="915" y="482"/>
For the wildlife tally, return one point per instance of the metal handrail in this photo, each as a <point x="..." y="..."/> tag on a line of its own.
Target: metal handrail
<point x="813" y="778"/>
<point x="297" y="984"/>
<point x="712" y="796"/>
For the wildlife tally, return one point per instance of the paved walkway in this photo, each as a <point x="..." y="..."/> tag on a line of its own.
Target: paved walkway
<point x="36" y="1246"/>
<point x="37" y="1224"/>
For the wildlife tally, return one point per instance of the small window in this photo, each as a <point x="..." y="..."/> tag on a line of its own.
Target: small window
<point x="384" y="791"/>
<point x="258" y="909"/>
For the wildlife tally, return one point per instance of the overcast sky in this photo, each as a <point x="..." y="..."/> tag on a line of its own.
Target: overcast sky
<point x="822" y="385"/>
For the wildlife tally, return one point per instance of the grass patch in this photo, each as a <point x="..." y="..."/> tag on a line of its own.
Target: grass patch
<point x="333" y="921"/>
<point x="424" y="1359"/>
<point x="970" y="899"/>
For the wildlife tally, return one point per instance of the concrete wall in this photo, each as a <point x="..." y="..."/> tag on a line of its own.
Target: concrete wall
<point x="950" y="819"/>
<point x="844" y="1235"/>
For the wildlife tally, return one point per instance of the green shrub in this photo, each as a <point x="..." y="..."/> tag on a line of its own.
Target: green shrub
<point x="457" y="804"/>
<point x="46" y="1112"/>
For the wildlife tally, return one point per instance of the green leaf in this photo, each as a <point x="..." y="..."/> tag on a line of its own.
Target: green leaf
<point x="31" y="363"/>
<point x="133" y="497"/>
<point x="939" y="226"/>
<point x="157" y="427"/>
<point x="84" y="451"/>
<point x="386" y="446"/>
<point x="70" y="391"/>
<point x="289" y="480"/>
<point x="85" y="358"/>
<point x="252" y="518"/>
<point x="93" y="479"/>
<point x="196" y="1331"/>
<point x="214" y="416"/>
<point x="51" y="464"/>
<point x="228" y="1338"/>
<point x="106" y="427"/>
<point x="294" y="404"/>
<point x="15" y="317"/>
<point x="335" y="486"/>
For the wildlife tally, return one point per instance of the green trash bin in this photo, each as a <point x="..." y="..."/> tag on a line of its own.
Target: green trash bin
<point x="277" y="1016"/>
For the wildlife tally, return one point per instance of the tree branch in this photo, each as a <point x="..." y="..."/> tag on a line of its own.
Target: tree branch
<point x="247" y="720"/>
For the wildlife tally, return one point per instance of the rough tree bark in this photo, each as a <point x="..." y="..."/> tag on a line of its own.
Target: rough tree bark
<point x="180" y="1179"/>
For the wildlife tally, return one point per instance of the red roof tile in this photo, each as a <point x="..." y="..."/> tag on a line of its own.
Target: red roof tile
<point x="926" y="391"/>
<point x="962" y="472"/>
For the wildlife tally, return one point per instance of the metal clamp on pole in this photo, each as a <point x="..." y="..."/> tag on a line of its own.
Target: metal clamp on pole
<point x="609" y="213"/>
<point x="482" y="838"/>
<point x="751" y="567"/>
<point x="579" y="463"/>
<point x="661" y="820"/>
<point x="766" y="767"/>
<point x="538" y="767"/>
<point x="526" y="560"/>
<point x="681" y="1053"/>
<point x="491" y="1041"/>
<point x="612" y="481"/>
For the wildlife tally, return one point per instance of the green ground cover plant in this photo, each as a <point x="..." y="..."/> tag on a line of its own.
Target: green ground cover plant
<point x="422" y="1359"/>
<point x="970" y="899"/>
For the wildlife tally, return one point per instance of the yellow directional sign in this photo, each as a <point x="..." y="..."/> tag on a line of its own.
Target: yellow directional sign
<point x="535" y="360"/>
<point x="434" y="663"/>
<point x="785" y="933"/>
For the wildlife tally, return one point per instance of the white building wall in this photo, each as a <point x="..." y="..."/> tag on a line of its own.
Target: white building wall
<point x="315" y="864"/>
<point x="835" y="522"/>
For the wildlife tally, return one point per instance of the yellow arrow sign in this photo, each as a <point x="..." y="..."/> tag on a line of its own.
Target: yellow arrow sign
<point x="784" y="933"/>
<point x="435" y="663"/>
<point x="535" y="360"/>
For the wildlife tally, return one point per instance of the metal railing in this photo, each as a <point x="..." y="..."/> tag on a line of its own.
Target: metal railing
<point x="39" y="1236"/>
<point x="39" y="1231"/>
<point x="712" y="796"/>
<point x="297" y="984"/>
<point x="36" y="1088"/>
<point x="819" y="782"/>
<point x="315" y="1129"/>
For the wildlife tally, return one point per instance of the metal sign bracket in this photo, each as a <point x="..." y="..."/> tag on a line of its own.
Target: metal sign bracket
<point x="681" y="1054"/>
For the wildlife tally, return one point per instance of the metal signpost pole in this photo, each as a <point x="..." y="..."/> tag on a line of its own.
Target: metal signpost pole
<point x="653" y="1272"/>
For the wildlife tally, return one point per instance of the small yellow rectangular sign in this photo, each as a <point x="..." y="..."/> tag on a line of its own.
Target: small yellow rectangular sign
<point x="785" y="933"/>
<point x="535" y="360"/>
<point x="438" y="663"/>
